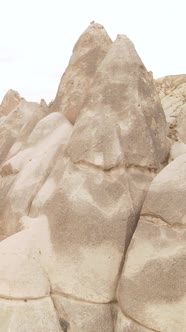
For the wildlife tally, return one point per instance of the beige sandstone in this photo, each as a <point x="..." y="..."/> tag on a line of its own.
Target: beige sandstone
<point x="152" y="288"/>
<point x="29" y="315"/>
<point x="172" y="90"/>
<point x="16" y="127"/>
<point x="90" y="247"/>
<point x="82" y="316"/>
<point x="21" y="273"/>
<point x="9" y="102"/>
<point x="100" y="170"/>
<point x="88" y="53"/>
<point x="177" y="149"/>
<point x="126" y="324"/>
<point x="29" y="168"/>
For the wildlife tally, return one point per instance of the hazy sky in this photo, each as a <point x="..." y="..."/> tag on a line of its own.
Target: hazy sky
<point x="37" y="37"/>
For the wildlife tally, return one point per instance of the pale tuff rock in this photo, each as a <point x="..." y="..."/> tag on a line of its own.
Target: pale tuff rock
<point x="102" y="173"/>
<point x="88" y="53"/>
<point x="181" y="125"/>
<point x="152" y="287"/>
<point x="16" y="127"/>
<point x="126" y="324"/>
<point x="28" y="315"/>
<point x="51" y="182"/>
<point x="168" y="84"/>
<point x="21" y="273"/>
<point x="44" y="104"/>
<point x="177" y="149"/>
<point x="82" y="316"/>
<point x="9" y="102"/>
<point x="172" y="90"/>
<point x="71" y="198"/>
<point x="29" y="169"/>
<point x="123" y="94"/>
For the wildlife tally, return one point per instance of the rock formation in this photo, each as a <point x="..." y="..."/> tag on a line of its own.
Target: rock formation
<point x="92" y="217"/>
<point x="88" y="53"/>
<point x="10" y="101"/>
<point x="152" y="287"/>
<point x="172" y="91"/>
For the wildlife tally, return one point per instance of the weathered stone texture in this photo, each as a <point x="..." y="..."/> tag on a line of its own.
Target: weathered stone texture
<point x="92" y="222"/>
<point x="88" y="53"/>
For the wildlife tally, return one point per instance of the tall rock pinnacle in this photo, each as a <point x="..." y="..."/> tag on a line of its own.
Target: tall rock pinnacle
<point x="122" y="122"/>
<point x="75" y="255"/>
<point x="88" y="53"/>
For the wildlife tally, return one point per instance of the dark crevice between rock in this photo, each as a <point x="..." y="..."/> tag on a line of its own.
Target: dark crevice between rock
<point x="64" y="324"/>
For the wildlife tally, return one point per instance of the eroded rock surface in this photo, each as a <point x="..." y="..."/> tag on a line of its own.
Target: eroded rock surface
<point x="88" y="53"/>
<point x="75" y="258"/>
<point x="17" y="126"/>
<point x="23" y="175"/>
<point x="9" y="102"/>
<point x="172" y="91"/>
<point x="152" y="287"/>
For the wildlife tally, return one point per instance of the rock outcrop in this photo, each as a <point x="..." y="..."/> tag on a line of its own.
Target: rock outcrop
<point x="24" y="173"/>
<point x="172" y="91"/>
<point x="152" y="287"/>
<point x="88" y="53"/>
<point x="93" y="219"/>
<point x="10" y="101"/>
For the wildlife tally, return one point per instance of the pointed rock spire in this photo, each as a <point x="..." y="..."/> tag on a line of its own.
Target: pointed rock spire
<point x="88" y="53"/>
<point x="122" y="122"/>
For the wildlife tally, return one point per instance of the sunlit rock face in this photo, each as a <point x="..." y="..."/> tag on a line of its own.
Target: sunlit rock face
<point x="9" y="102"/>
<point x="172" y="91"/>
<point x="24" y="174"/>
<point x="87" y="245"/>
<point x="88" y="53"/>
<point x="152" y="288"/>
<point x="17" y="125"/>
